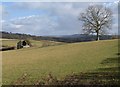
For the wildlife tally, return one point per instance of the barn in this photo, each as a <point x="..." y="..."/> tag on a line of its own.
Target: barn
<point x="23" y="44"/>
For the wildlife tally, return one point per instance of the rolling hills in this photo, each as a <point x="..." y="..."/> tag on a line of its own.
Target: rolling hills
<point x="60" y="60"/>
<point x="60" y="38"/>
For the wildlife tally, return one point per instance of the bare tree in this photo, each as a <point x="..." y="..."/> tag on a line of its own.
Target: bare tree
<point x="96" y="19"/>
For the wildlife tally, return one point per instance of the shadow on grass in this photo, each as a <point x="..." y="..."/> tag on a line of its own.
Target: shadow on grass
<point x="110" y="69"/>
<point x="102" y="76"/>
<point x="110" y="60"/>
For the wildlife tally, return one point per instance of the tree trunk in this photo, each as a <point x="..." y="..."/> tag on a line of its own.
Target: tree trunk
<point x="97" y="36"/>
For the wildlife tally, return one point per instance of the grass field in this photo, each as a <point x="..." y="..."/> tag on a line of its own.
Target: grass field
<point x="60" y="60"/>
<point x="42" y="43"/>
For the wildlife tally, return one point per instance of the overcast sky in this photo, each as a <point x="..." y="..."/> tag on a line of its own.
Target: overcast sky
<point x="48" y="18"/>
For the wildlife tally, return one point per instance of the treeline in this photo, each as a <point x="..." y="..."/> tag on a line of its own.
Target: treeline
<point x="66" y="38"/>
<point x="10" y="35"/>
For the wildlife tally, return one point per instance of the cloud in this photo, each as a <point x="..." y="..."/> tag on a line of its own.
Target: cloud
<point x="1" y="11"/>
<point x="59" y="1"/>
<point x="43" y="25"/>
<point x="61" y="18"/>
<point x="60" y="8"/>
<point x="116" y="2"/>
<point x="40" y="25"/>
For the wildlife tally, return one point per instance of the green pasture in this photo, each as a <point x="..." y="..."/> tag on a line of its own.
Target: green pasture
<point x="59" y="60"/>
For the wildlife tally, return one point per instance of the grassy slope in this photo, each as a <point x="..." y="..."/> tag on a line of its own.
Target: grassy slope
<point x="59" y="60"/>
<point x="13" y="42"/>
<point x="7" y="42"/>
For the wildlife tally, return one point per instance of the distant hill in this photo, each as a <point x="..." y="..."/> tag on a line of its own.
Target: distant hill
<point x="10" y="35"/>
<point x="64" y="38"/>
<point x="85" y="37"/>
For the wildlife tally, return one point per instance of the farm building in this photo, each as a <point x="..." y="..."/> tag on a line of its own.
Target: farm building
<point x="23" y="44"/>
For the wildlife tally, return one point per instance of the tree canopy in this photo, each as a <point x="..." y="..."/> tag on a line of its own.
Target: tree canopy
<point x="96" y="19"/>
